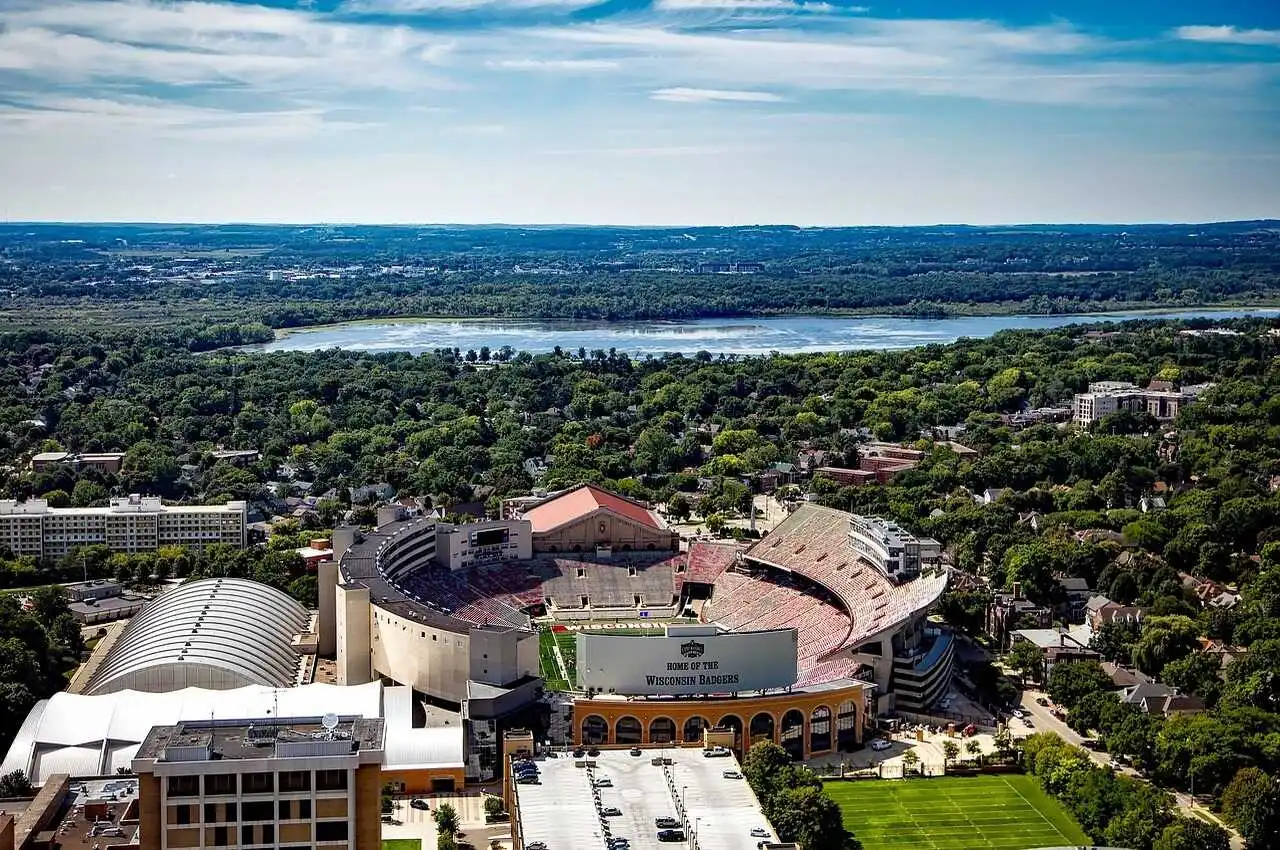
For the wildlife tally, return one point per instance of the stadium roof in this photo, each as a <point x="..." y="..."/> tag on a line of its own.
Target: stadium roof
<point x="582" y="501"/>
<point x="221" y="630"/>
<point x="814" y="543"/>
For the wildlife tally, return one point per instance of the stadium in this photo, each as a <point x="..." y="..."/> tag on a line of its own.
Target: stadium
<point x="810" y="631"/>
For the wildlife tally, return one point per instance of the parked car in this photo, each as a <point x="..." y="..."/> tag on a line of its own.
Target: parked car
<point x="731" y="774"/>
<point x="671" y="835"/>
<point x="619" y="844"/>
<point x="666" y="823"/>
<point x="635" y="751"/>
<point x="604" y="782"/>
<point x="419" y="804"/>
<point x="528" y="779"/>
<point x="1042" y="702"/>
<point x="881" y="744"/>
<point x="579" y="753"/>
<point x="593" y="752"/>
<point x="1026" y="721"/>
<point x="536" y="845"/>
<point x="611" y="812"/>
<point x="759" y="832"/>
<point x="716" y="752"/>
<point x="1017" y="712"/>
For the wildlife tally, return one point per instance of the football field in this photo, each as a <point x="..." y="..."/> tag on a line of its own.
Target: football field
<point x="1001" y="812"/>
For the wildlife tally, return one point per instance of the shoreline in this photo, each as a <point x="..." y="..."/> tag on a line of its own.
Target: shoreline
<point x="1134" y="312"/>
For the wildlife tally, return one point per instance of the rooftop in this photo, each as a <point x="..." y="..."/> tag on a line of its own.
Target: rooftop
<point x="206" y="740"/>
<point x="560" y="810"/>
<point x="582" y="501"/>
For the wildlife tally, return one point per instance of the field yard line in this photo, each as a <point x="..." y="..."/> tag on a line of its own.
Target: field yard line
<point x="972" y="825"/>
<point x="932" y="844"/>
<point x="1035" y="808"/>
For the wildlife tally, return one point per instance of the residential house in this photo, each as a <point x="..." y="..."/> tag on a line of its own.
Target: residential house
<point x="1099" y="610"/>
<point x="1124" y="677"/>
<point x="1157" y="698"/>
<point x="1151" y="504"/>
<point x="380" y="492"/>
<point x="1059" y="645"/>
<point x="1008" y="609"/>
<point x="1077" y="593"/>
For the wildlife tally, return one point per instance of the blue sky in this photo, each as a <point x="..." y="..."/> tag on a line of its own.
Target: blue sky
<point x="640" y="111"/>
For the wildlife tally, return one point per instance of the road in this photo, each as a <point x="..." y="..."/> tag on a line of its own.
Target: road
<point x="1045" y="722"/>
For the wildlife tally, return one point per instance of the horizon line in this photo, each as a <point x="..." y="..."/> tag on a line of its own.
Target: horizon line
<point x="572" y="225"/>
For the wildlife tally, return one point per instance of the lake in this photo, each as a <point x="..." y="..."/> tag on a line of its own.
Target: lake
<point x="787" y="334"/>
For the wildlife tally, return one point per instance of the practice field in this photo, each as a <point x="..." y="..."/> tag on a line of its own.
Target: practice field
<point x="1002" y="812"/>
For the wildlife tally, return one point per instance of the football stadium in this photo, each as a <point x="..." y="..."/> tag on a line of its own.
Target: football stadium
<point x="799" y="638"/>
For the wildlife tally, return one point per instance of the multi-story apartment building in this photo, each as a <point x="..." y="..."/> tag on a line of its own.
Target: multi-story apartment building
<point x="128" y="524"/>
<point x="1107" y="397"/>
<point x="891" y="549"/>
<point x="280" y="783"/>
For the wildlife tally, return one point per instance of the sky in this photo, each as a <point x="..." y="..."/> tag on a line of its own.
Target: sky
<point x="663" y="112"/>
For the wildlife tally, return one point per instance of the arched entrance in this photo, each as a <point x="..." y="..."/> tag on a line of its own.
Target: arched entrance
<point x="595" y="730"/>
<point x="762" y="727"/>
<point x="693" y="729"/>
<point x="734" y="722"/>
<point x="662" y="730"/>
<point x="847" y="726"/>
<point x="627" y="731"/>
<point x="793" y="733"/>
<point x="820" y="730"/>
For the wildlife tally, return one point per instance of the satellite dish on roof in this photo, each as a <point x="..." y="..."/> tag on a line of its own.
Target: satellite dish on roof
<point x="329" y="721"/>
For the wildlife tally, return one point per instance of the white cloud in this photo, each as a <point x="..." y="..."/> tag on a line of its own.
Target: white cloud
<point x="756" y="5"/>
<point x="1229" y="35"/>
<point x="553" y="64"/>
<point x="409" y="7"/>
<point x="657" y="151"/>
<point x="683" y="94"/>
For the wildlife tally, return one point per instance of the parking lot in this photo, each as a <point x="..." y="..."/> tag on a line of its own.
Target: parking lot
<point x="562" y="812"/>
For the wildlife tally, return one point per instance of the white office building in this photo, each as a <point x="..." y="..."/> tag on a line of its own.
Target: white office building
<point x="891" y="549"/>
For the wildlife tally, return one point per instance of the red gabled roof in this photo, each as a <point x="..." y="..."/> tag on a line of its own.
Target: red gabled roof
<point x="584" y="500"/>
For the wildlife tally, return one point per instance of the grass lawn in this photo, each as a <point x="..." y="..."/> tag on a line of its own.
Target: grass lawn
<point x="402" y="844"/>
<point x="1001" y="812"/>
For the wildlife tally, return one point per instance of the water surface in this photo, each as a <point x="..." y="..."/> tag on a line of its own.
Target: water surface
<point x="787" y="334"/>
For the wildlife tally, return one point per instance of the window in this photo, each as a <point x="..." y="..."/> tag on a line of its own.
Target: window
<point x="295" y="810"/>
<point x="220" y="784"/>
<point x="220" y="837"/>
<point x="331" y="780"/>
<point x="331" y="830"/>
<point x="257" y="810"/>
<point x="258" y="783"/>
<point x="295" y="780"/>
<point x="184" y="786"/>
<point x="182" y="815"/>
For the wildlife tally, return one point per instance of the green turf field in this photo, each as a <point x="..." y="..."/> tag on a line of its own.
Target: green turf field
<point x="1003" y="812"/>
<point x="551" y="671"/>
<point x="402" y="844"/>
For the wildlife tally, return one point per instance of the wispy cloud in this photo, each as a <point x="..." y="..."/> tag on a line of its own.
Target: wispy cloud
<point x="682" y="94"/>
<point x="657" y="151"/>
<point x="553" y="64"/>
<point x="410" y="7"/>
<point x="1229" y="35"/>
<point x="756" y="6"/>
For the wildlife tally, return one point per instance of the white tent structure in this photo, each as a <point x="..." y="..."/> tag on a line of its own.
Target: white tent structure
<point x="86" y="736"/>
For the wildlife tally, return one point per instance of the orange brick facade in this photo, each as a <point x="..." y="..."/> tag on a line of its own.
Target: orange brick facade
<point x="806" y="724"/>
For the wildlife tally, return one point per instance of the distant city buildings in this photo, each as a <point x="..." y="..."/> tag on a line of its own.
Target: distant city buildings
<point x="891" y="549"/>
<point x="128" y="524"/>
<point x="1107" y="397"/>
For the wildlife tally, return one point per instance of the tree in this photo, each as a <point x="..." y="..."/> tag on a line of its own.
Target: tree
<point x="973" y="746"/>
<point x="1164" y="640"/>
<point x="678" y="506"/>
<point x="1190" y="833"/>
<point x="1026" y="658"/>
<point x="909" y="761"/>
<point x="1199" y="674"/>
<point x="446" y="818"/>
<point x="1251" y="802"/>
<point x="1072" y="681"/>
<point x="1114" y="640"/>
<point x="15" y="784"/>
<point x="808" y="816"/>
<point x="494" y="806"/>
<point x="950" y="750"/>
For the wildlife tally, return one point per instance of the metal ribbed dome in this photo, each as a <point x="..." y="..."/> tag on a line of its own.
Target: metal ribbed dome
<point x="213" y="633"/>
